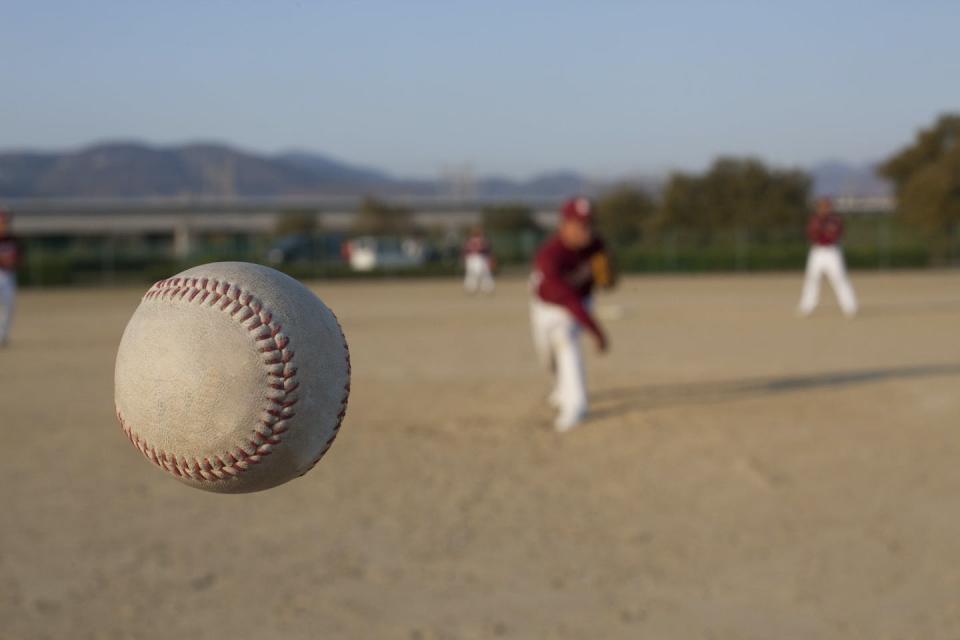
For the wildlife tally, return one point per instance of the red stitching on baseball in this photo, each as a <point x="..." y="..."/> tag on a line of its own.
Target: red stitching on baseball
<point x="343" y="401"/>
<point x="267" y="434"/>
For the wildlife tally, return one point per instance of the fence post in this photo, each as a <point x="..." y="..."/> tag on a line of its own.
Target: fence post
<point x="740" y="249"/>
<point x="107" y="262"/>
<point x="670" y="251"/>
<point x="182" y="239"/>
<point x="883" y="242"/>
<point x="33" y="265"/>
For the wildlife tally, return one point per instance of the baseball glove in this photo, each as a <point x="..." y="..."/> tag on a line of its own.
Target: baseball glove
<point x="604" y="275"/>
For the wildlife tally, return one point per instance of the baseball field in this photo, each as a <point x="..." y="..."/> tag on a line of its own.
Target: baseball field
<point x="746" y="474"/>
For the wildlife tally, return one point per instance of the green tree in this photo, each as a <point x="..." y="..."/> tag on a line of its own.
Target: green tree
<point x="509" y="218"/>
<point x="624" y="214"/>
<point x="683" y="204"/>
<point x="736" y="193"/>
<point x="376" y="217"/>
<point x="926" y="175"/>
<point x="296" y="222"/>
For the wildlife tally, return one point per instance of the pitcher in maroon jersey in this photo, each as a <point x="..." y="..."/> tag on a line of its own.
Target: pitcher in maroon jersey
<point x="562" y="285"/>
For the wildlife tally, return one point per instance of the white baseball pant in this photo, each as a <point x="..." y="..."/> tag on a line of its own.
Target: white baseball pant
<point x="827" y="260"/>
<point x="556" y="337"/>
<point x="8" y="295"/>
<point x="478" y="275"/>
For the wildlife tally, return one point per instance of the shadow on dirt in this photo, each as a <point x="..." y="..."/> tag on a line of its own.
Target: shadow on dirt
<point x="621" y="399"/>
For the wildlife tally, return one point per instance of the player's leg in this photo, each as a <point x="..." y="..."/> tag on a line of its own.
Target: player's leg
<point x="470" y="283"/>
<point x="8" y="292"/>
<point x="543" y="319"/>
<point x="486" y="283"/>
<point x="571" y="375"/>
<point x="539" y="328"/>
<point x="837" y="274"/>
<point x="811" y="282"/>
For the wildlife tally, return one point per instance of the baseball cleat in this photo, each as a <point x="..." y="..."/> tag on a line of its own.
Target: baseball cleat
<point x="565" y="423"/>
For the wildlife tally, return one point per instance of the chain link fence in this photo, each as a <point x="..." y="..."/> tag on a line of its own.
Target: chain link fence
<point x="872" y="242"/>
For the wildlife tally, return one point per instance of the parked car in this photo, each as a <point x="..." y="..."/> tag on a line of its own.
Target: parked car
<point x="368" y="253"/>
<point x="304" y="248"/>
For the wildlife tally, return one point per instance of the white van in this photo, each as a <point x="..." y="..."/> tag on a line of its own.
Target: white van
<point x="368" y="253"/>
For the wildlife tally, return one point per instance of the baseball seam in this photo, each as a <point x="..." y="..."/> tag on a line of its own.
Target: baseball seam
<point x="343" y="401"/>
<point x="273" y="346"/>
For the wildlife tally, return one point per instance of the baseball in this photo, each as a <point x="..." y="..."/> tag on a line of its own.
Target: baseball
<point x="232" y="377"/>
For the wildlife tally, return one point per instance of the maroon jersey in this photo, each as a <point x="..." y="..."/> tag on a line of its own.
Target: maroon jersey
<point x="476" y="245"/>
<point x="825" y="230"/>
<point x="563" y="276"/>
<point x="10" y="253"/>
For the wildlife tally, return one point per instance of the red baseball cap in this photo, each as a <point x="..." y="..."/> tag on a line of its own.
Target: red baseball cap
<point x="579" y="209"/>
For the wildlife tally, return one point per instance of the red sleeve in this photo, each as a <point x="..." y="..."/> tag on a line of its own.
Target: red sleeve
<point x="553" y="288"/>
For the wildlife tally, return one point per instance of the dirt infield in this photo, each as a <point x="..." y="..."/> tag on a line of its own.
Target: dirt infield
<point x="747" y="475"/>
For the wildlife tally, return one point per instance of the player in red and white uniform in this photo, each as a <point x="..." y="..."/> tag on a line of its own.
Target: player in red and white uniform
<point x="825" y="230"/>
<point x="10" y="255"/>
<point x="566" y="269"/>
<point x="478" y="263"/>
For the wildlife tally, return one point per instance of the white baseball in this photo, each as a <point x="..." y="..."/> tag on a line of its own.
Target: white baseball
<point x="232" y="377"/>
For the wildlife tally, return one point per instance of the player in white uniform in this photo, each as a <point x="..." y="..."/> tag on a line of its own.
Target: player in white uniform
<point x="9" y="260"/>
<point x="825" y="231"/>
<point x="478" y="263"/>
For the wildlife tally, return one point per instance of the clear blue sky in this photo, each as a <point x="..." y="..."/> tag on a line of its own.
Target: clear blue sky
<point x="608" y="88"/>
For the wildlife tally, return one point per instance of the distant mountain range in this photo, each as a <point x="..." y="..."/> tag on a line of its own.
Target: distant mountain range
<point x="130" y="169"/>
<point x="127" y="169"/>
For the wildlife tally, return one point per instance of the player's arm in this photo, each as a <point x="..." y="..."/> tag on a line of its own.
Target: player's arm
<point x="486" y="251"/>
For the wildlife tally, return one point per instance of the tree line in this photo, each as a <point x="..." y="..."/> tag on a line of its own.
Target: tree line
<point x="926" y="176"/>
<point x="735" y="193"/>
<point x="769" y="203"/>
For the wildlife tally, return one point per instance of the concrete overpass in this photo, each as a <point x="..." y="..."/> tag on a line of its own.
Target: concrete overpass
<point x="184" y="219"/>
